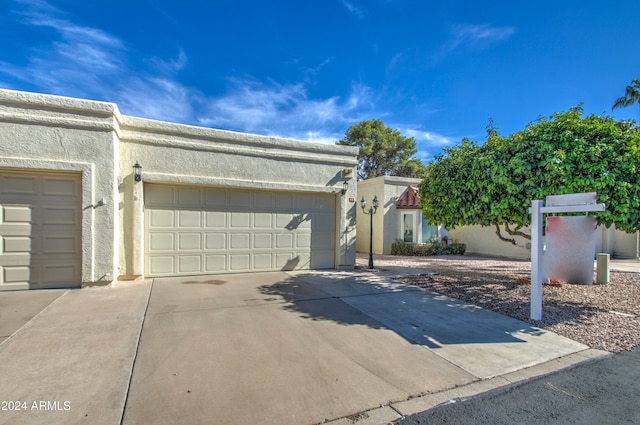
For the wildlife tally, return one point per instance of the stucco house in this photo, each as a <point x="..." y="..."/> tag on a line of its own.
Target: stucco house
<point x="75" y="210"/>
<point x="399" y="215"/>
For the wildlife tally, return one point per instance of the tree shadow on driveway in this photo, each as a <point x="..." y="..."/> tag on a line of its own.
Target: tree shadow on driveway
<point x="420" y="316"/>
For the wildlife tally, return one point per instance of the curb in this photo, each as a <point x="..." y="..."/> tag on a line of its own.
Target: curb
<point x="396" y="411"/>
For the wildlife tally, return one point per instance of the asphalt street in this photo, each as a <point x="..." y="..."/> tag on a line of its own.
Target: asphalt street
<point x="604" y="391"/>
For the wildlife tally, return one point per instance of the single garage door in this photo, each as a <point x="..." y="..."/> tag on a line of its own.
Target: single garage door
<point x="40" y="230"/>
<point x="201" y="230"/>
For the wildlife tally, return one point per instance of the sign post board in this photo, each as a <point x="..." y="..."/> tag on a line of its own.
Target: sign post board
<point x="576" y="202"/>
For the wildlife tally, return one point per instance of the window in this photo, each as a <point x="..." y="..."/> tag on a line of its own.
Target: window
<point x="407" y="226"/>
<point x="429" y="232"/>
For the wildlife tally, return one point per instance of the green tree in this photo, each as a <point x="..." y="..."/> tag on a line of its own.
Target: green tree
<point x="494" y="184"/>
<point x="631" y="96"/>
<point x="383" y="151"/>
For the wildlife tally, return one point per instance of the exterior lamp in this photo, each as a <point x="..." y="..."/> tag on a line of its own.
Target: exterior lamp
<point x="345" y="187"/>
<point x="137" y="172"/>
<point x="372" y="210"/>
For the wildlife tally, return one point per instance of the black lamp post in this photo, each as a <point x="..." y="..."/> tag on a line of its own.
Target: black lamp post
<point x="372" y="210"/>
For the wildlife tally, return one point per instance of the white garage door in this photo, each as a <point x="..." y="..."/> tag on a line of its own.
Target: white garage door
<point x="200" y="230"/>
<point x="40" y="230"/>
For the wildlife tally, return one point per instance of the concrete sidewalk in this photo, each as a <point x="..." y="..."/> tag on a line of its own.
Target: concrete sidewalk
<point x="285" y="348"/>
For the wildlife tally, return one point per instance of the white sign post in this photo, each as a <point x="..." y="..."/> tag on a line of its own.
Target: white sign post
<point x="576" y="202"/>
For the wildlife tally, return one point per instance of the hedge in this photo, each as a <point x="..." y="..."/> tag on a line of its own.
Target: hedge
<point x="400" y="247"/>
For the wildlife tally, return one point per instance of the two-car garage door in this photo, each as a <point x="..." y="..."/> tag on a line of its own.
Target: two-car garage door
<point x="193" y="230"/>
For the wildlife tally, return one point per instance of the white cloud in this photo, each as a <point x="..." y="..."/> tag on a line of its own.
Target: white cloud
<point x="353" y="8"/>
<point x="429" y="138"/>
<point x="437" y="139"/>
<point x="90" y="63"/>
<point x="475" y="36"/>
<point x="286" y="110"/>
<point x="428" y="143"/>
<point x="479" y="34"/>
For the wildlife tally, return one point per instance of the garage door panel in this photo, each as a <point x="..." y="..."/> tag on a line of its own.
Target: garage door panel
<point x="263" y="220"/>
<point x="304" y="260"/>
<point x="240" y="262"/>
<point x="263" y="261"/>
<point x="282" y="258"/>
<point x="284" y="241"/>
<point x="161" y="195"/>
<point x="304" y="201"/>
<point x="189" y="241"/>
<point x="215" y="263"/>
<point x="263" y="201"/>
<point x="20" y="185"/>
<point x="324" y="203"/>
<point x="285" y="201"/>
<point x="190" y="196"/>
<point x="324" y="220"/>
<point x="239" y="199"/>
<point x="188" y="219"/>
<point x="189" y="264"/>
<point x="40" y="230"/>
<point x="216" y="220"/>
<point x="161" y="218"/>
<point x="240" y="220"/>
<point x="240" y="241"/>
<point x="322" y="260"/>
<point x="59" y="244"/>
<point x="16" y="275"/>
<point x="60" y="187"/>
<point x="60" y="216"/>
<point x="59" y="273"/>
<point x="17" y="244"/>
<point x="242" y="231"/>
<point x="16" y="214"/>
<point x="158" y="241"/>
<point x="303" y="240"/>
<point x="283" y="220"/>
<point x="322" y="241"/>
<point x="215" y="241"/>
<point x="293" y="261"/>
<point x="262" y="240"/>
<point x="161" y="265"/>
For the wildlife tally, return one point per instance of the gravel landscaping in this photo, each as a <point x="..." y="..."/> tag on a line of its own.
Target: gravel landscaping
<point x="605" y="317"/>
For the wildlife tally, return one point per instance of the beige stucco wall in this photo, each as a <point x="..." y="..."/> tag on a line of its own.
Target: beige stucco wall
<point x="386" y="222"/>
<point x="483" y="241"/>
<point x="626" y="245"/>
<point x="50" y="133"/>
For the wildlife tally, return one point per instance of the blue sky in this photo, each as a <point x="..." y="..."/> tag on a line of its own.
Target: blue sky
<point x="436" y="71"/>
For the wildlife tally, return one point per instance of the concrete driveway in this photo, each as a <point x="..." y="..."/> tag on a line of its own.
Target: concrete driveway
<point x="272" y="348"/>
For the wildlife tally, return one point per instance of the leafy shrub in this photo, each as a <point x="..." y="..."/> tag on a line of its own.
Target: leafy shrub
<point x="457" y="248"/>
<point x="399" y="247"/>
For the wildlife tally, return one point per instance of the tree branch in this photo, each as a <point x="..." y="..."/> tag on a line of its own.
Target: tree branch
<point x="516" y="232"/>
<point x="502" y="238"/>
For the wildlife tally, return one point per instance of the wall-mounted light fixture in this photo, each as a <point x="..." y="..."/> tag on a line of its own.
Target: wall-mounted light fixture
<point x="137" y="172"/>
<point x="345" y="187"/>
